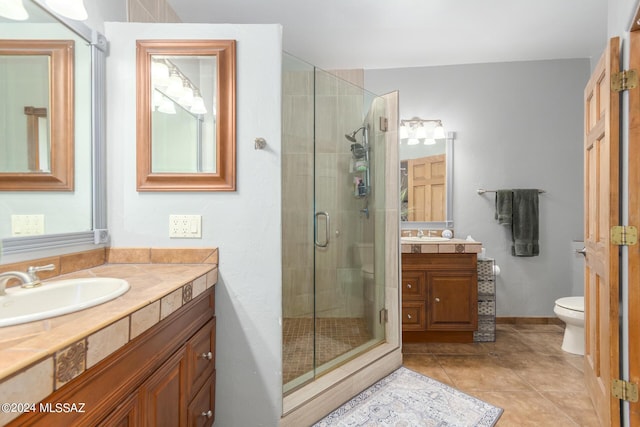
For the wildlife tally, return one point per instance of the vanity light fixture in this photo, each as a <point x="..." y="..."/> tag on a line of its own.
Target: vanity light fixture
<point x="13" y="9"/>
<point x="168" y="79"/>
<point x="417" y="130"/>
<point x="72" y="9"/>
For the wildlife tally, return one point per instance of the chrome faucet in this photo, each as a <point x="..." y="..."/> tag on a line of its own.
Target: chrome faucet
<point x="420" y="232"/>
<point x="29" y="279"/>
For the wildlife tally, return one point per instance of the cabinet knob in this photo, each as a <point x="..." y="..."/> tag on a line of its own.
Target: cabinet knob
<point x="207" y="414"/>
<point x="207" y="356"/>
<point x="408" y="285"/>
<point x="408" y="316"/>
<point x="437" y="299"/>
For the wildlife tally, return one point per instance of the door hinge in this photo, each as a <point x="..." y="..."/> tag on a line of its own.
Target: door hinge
<point x="624" y="390"/>
<point x="624" y="80"/>
<point x="384" y="315"/>
<point x="384" y="124"/>
<point x="624" y="235"/>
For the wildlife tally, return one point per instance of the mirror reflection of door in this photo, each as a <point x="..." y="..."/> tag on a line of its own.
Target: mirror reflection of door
<point x="24" y="140"/>
<point x="37" y="139"/>
<point x="426" y="184"/>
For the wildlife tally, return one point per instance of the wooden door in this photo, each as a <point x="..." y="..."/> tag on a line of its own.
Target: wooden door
<point x="601" y="156"/>
<point x="427" y="188"/>
<point x="634" y="219"/>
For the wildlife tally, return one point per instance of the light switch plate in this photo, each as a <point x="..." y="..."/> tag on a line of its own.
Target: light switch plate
<point x="27" y="225"/>
<point x="185" y="226"/>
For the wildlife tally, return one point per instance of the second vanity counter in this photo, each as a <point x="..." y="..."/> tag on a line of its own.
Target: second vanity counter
<point x="156" y="291"/>
<point x="428" y="245"/>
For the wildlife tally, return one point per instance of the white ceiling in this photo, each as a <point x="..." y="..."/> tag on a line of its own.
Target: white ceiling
<point x="343" y="34"/>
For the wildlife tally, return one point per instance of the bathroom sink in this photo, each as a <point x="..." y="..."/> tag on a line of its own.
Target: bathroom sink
<point x="424" y="239"/>
<point x="55" y="298"/>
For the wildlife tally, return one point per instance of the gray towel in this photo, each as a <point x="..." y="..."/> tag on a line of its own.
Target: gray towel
<point x="524" y="227"/>
<point x="504" y="206"/>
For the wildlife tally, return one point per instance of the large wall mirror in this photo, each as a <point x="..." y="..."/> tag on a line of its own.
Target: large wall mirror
<point x="426" y="175"/>
<point x="36" y="124"/>
<point x="186" y="115"/>
<point x="52" y="183"/>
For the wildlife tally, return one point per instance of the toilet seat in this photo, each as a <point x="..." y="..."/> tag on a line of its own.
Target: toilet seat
<point x="571" y="303"/>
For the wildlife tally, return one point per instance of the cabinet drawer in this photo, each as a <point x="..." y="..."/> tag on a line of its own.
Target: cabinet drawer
<point x="201" y="351"/>
<point x="413" y="316"/>
<point x="202" y="407"/>
<point x="413" y="285"/>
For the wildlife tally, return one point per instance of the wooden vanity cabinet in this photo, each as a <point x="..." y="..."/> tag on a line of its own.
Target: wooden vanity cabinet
<point x="439" y="297"/>
<point x="164" y="377"/>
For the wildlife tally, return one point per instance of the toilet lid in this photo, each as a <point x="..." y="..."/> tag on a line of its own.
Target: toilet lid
<point x="571" y="303"/>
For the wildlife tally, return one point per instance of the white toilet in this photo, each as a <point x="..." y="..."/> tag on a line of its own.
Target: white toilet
<point x="571" y="311"/>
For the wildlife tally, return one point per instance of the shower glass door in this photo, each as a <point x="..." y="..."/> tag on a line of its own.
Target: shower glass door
<point x="333" y="236"/>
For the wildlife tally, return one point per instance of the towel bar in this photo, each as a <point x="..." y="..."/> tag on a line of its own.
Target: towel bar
<point x="482" y="191"/>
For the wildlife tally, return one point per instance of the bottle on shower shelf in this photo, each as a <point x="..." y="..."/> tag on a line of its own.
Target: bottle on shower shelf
<point x="362" y="189"/>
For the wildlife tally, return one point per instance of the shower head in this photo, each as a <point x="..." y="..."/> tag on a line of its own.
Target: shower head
<point x="352" y="136"/>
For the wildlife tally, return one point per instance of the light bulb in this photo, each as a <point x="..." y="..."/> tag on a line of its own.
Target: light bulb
<point x="421" y="132"/>
<point x="160" y="74"/>
<point x="13" y="9"/>
<point x="157" y="99"/>
<point x="72" y="9"/>
<point x="198" y="105"/>
<point x="404" y="133"/>
<point x="413" y="141"/>
<point x="429" y="141"/>
<point x="167" y="106"/>
<point x="186" y="98"/>
<point x="175" y="87"/>
<point x="438" y="132"/>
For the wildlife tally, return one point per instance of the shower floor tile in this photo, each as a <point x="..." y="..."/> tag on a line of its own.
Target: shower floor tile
<point x="334" y="337"/>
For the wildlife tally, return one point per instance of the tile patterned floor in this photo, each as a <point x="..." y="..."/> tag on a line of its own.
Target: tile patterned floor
<point x="524" y="372"/>
<point x="335" y="336"/>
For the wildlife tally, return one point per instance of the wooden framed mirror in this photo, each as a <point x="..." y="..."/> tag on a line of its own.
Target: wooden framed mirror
<point x="37" y="137"/>
<point x="186" y="137"/>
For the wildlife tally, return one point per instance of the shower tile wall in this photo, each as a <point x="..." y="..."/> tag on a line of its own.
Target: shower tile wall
<point x="297" y="190"/>
<point x="338" y="110"/>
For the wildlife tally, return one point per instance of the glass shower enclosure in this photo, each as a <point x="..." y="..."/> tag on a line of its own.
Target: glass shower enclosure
<point x="333" y="222"/>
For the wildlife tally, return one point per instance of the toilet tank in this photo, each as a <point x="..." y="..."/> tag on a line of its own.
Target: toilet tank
<point x="363" y="253"/>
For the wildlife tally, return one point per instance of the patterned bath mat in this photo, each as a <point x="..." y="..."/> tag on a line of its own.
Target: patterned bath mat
<point x="406" y="399"/>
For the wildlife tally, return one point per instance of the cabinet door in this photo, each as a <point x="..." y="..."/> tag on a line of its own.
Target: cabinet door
<point x="452" y="301"/>
<point x="162" y="396"/>
<point x="125" y="415"/>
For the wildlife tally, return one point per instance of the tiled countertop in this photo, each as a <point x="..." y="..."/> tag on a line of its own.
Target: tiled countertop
<point x="156" y="291"/>
<point x="451" y="246"/>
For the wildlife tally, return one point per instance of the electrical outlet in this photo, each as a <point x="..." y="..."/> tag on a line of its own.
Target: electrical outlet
<point x="185" y="226"/>
<point x="27" y="225"/>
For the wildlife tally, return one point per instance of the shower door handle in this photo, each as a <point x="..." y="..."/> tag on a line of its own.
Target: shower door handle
<point x="327" y="227"/>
